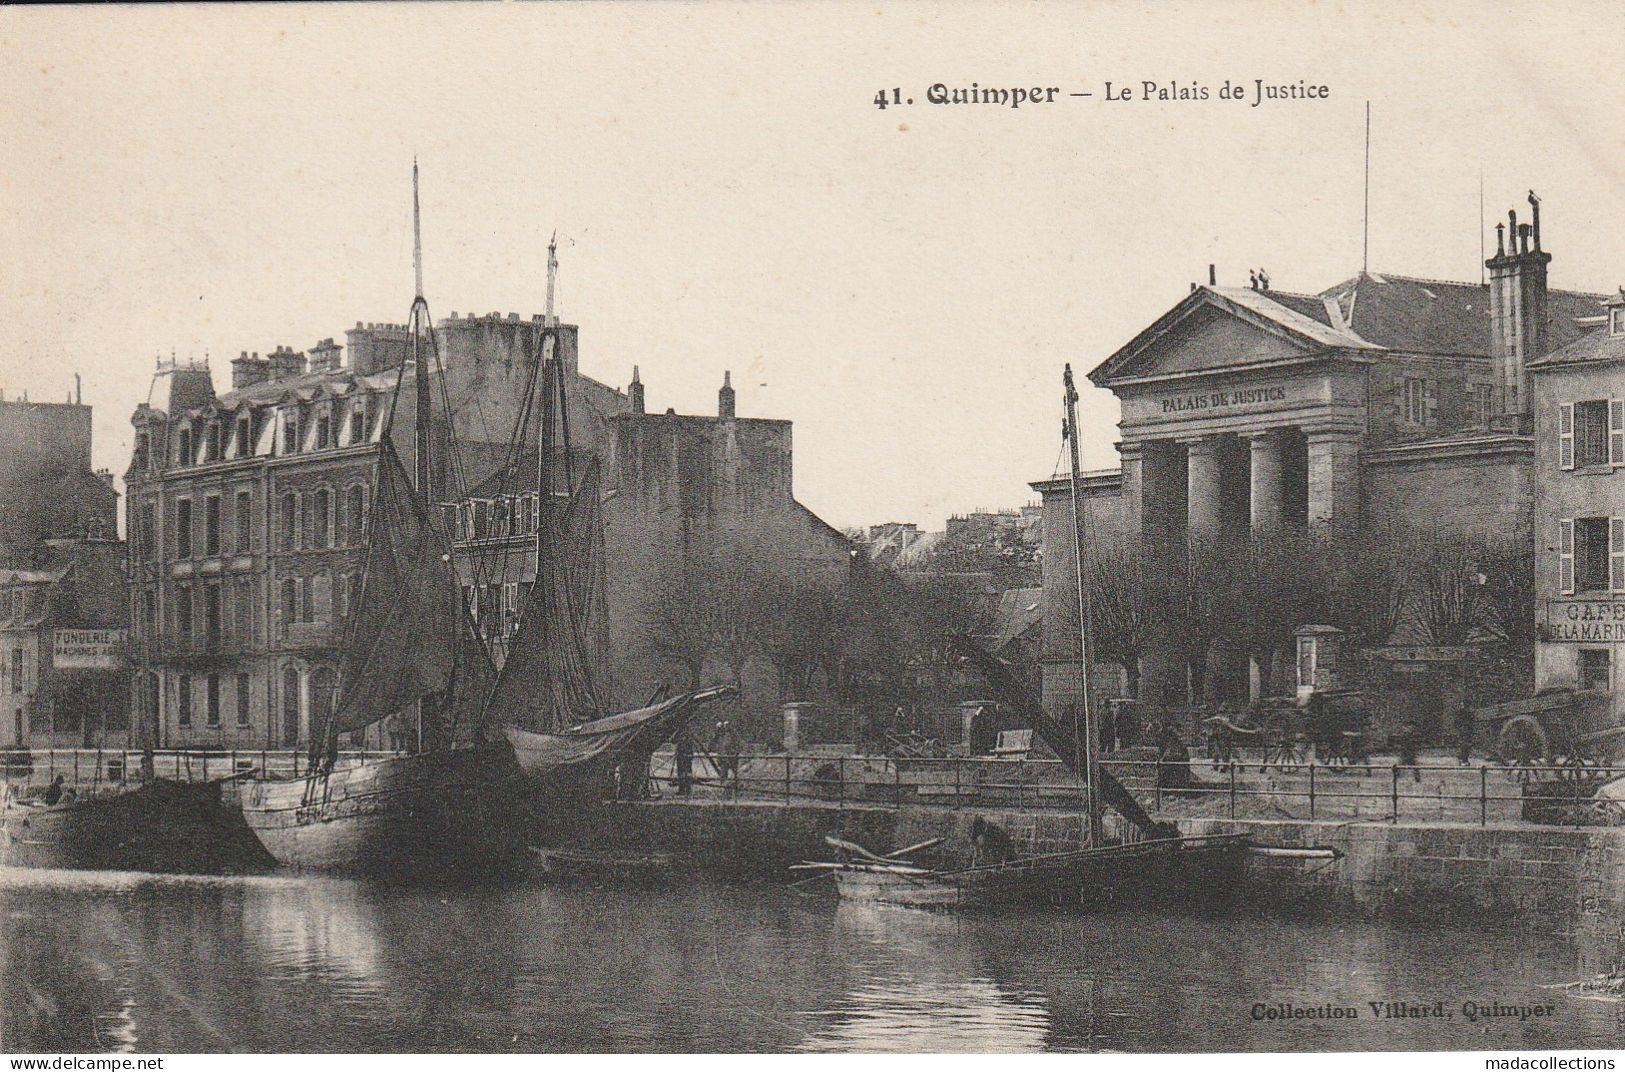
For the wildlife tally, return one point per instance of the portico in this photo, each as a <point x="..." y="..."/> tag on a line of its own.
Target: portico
<point x="1372" y="410"/>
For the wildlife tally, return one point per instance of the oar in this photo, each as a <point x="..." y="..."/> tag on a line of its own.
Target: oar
<point x="856" y="849"/>
<point x="903" y="854"/>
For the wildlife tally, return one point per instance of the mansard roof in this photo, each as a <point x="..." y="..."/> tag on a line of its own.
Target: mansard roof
<point x="1369" y="312"/>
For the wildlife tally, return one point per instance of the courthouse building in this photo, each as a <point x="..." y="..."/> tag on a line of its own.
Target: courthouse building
<point x="1579" y="537"/>
<point x="1383" y="400"/>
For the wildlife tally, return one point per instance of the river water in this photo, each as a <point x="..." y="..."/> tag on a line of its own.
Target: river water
<point x="100" y="961"/>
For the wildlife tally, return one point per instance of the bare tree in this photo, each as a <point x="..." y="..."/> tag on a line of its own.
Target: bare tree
<point x="1120" y="606"/>
<point x="1449" y="604"/>
<point x="1373" y="583"/>
<point x="1283" y="581"/>
<point x="799" y="625"/>
<point x="708" y="612"/>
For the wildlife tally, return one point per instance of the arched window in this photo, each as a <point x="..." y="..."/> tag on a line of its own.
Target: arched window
<point x="321" y="693"/>
<point x="357" y="513"/>
<point x="183" y="700"/>
<point x="290" y="705"/>
<point x="322" y="531"/>
<point x="290" y="603"/>
<point x="290" y="521"/>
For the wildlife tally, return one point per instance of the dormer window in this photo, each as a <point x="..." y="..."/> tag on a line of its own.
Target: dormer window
<point x="212" y="453"/>
<point x="1616" y="322"/>
<point x="290" y="431"/>
<point x="245" y="436"/>
<point x="183" y="450"/>
<point x="324" y="430"/>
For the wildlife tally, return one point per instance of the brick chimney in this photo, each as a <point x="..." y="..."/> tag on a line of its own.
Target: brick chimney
<point x="634" y="392"/>
<point x="324" y="356"/>
<point x="725" y="398"/>
<point x="1517" y="275"/>
<point x="285" y="364"/>
<point x="247" y="371"/>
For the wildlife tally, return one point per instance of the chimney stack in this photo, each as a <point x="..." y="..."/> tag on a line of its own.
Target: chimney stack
<point x="634" y="392"/>
<point x="1212" y="276"/>
<point x="725" y="398"/>
<point x="324" y="356"/>
<point x="285" y="364"/>
<point x="1518" y="313"/>
<point x="247" y="371"/>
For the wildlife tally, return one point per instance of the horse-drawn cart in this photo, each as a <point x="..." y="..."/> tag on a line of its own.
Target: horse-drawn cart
<point x="1568" y="731"/>
<point x="1331" y="726"/>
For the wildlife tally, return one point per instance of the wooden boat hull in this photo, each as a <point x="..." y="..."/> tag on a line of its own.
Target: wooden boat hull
<point x="452" y="816"/>
<point x="1171" y="868"/>
<point x="162" y="826"/>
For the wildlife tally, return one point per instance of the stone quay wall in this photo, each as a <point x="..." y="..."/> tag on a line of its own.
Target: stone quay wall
<point x="1539" y="879"/>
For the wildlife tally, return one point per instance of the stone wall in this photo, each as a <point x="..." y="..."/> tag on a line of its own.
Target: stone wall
<point x="1536" y="879"/>
<point x="1460" y="492"/>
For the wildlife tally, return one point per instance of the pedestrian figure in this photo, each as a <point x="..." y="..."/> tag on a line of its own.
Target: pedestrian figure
<point x="1406" y="742"/>
<point x="989" y="844"/>
<point x="54" y="793"/>
<point x="1464" y="734"/>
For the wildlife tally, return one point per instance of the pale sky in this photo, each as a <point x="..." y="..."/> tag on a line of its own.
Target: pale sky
<point x="904" y="284"/>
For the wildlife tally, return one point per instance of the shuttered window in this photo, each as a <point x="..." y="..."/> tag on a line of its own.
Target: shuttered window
<point x="1616" y="431"/>
<point x="1565" y="556"/>
<point x="1565" y="436"/>
<point x="1616" y="554"/>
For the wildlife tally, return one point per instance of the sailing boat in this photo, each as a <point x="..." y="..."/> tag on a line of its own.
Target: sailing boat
<point x="547" y="695"/>
<point x="1158" y="863"/>
<point x="448" y="810"/>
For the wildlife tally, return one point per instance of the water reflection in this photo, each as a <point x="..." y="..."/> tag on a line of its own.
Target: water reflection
<point x="97" y="961"/>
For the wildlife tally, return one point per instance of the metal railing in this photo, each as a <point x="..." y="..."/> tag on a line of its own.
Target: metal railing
<point x="90" y="770"/>
<point x="1376" y="791"/>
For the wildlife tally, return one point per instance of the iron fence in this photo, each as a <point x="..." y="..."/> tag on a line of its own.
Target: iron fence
<point x="1375" y="791"/>
<point x="90" y="770"/>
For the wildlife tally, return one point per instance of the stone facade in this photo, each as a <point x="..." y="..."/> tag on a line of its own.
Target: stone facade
<point x="247" y="512"/>
<point x="680" y="492"/>
<point x="48" y="489"/>
<point x="76" y="697"/>
<point x="1578" y="401"/>
<point x="61" y="568"/>
<point x="1385" y="402"/>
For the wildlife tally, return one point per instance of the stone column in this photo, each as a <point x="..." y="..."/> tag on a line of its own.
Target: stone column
<point x="1202" y="496"/>
<point x="1334" y="478"/>
<point x="1132" y="462"/>
<point x="792" y="726"/>
<point x="1267" y="448"/>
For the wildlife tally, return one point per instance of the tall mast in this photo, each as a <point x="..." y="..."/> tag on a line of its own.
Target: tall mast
<point x="1091" y="740"/>
<point x="552" y="272"/>
<point x="420" y="431"/>
<point x="545" y="390"/>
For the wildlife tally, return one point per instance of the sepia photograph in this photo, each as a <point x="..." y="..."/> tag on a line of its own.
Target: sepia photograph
<point x="785" y="528"/>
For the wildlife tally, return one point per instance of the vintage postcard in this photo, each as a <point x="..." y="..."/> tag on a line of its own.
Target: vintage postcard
<point x="715" y="528"/>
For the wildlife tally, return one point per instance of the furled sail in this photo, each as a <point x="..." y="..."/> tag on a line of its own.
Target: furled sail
<point x="549" y="679"/>
<point x="403" y="636"/>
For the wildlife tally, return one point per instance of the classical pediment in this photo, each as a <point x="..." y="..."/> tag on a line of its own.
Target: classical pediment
<point x="1213" y="330"/>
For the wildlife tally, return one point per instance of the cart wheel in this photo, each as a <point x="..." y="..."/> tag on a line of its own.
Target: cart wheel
<point x="1607" y="813"/>
<point x="1578" y="766"/>
<point x="1521" y="743"/>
